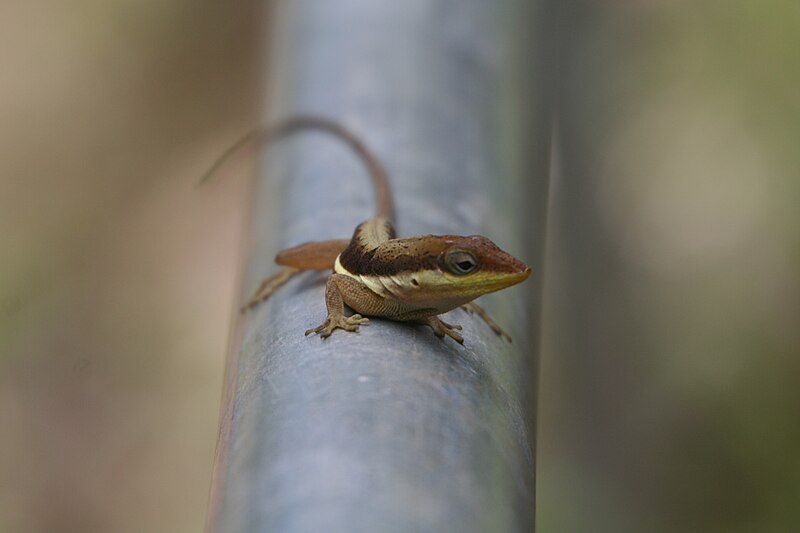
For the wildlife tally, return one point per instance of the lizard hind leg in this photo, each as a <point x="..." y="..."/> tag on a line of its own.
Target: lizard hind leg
<point x="336" y="319"/>
<point x="318" y="255"/>
<point x="270" y="285"/>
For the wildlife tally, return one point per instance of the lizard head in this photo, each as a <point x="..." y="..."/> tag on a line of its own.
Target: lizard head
<point x="459" y="269"/>
<point x="477" y="265"/>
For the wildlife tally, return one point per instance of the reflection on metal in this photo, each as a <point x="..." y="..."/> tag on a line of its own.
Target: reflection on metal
<point x="390" y="429"/>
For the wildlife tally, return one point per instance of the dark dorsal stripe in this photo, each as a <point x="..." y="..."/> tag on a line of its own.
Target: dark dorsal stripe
<point x="369" y="257"/>
<point x="382" y="262"/>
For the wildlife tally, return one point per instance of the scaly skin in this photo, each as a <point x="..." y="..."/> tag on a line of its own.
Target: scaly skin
<point x="412" y="279"/>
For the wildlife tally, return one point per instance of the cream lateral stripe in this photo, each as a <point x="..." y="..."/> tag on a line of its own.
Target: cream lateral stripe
<point x="390" y="284"/>
<point x="373" y="285"/>
<point x="400" y="284"/>
<point x="372" y="282"/>
<point x="339" y="269"/>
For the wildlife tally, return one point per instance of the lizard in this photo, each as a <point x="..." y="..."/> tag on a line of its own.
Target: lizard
<point x="376" y="273"/>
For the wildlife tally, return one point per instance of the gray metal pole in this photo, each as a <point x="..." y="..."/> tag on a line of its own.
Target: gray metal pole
<point x="389" y="429"/>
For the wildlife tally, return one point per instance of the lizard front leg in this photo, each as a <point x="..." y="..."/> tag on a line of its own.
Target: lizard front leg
<point x="441" y="328"/>
<point x="336" y="319"/>
<point x="472" y="307"/>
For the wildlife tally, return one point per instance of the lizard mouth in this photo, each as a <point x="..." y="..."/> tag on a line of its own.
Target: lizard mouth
<point x="517" y="277"/>
<point x="507" y="279"/>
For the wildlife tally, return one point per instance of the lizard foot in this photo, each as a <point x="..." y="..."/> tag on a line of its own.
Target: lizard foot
<point x="441" y="328"/>
<point x="347" y="323"/>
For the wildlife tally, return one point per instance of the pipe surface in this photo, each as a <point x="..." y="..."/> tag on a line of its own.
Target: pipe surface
<point x="390" y="429"/>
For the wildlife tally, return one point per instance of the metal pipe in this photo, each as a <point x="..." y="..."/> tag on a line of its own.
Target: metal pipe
<point x="389" y="429"/>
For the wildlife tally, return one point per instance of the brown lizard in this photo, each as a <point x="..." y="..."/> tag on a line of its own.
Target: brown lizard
<point x="410" y="279"/>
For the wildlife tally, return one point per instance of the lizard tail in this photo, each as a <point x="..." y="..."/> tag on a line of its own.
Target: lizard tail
<point x="380" y="181"/>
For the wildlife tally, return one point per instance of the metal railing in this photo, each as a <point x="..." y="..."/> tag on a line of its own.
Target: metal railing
<point x="390" y="429"/>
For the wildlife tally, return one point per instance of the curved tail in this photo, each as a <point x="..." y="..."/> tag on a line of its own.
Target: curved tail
<point x="383" y="194"/>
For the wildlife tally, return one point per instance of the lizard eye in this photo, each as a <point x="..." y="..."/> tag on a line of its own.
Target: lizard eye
<point x="460" y="262"/>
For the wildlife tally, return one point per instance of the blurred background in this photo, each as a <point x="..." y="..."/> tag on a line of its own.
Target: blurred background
<point x="670" y="371"/>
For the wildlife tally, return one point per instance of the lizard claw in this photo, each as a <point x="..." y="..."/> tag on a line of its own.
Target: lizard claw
<point x="451" y="326"/>
<point x="331" y="324"/>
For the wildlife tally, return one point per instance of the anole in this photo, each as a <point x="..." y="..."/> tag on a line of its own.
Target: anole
<point x="410" y="279"/>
